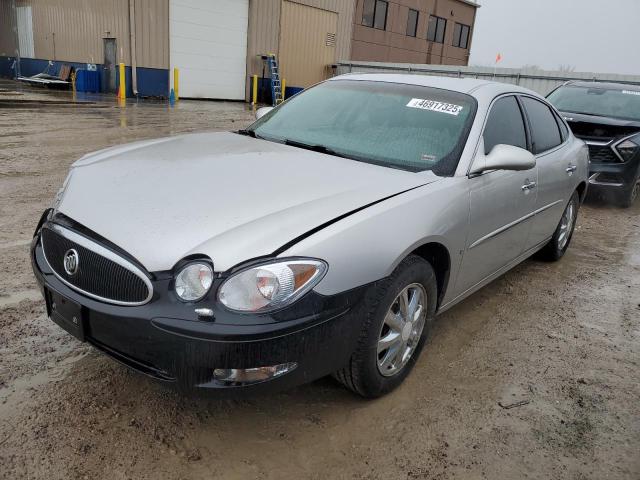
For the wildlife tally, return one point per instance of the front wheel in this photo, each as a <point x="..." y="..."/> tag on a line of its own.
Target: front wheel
<point x="557" y="246"/>
<point x="399" y="312"/>
<point x="629" y="196"/>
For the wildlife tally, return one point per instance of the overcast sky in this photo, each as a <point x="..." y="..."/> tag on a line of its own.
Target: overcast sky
<point x="590" y="35"/>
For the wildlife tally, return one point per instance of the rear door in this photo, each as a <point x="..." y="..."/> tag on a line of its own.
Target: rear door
<point x="555" y="168"/>
<point x="501" y="202"/>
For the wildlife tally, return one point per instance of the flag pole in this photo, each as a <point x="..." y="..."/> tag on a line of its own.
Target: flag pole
<point x="495" y="65"/>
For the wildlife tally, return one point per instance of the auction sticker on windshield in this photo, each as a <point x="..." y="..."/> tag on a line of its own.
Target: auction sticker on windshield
<point x="435" y="106"/>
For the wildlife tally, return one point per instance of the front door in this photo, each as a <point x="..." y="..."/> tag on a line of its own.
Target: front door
<point x="502" y="202"/>
<point x="499" y="223"/>
<point x="109" y="65"/>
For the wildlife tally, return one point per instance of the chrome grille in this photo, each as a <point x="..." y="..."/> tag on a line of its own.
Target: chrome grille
<point x="602" y="154"/>
<point x="101" y="274"/>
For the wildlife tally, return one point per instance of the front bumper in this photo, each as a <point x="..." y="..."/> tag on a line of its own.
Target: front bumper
<point x="618" y="176"/>
<point x="164" y="339"/>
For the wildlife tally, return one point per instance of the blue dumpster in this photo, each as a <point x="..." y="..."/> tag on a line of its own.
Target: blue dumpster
<point x="87" y="81"/>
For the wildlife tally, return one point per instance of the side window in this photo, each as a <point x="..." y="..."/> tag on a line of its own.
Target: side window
<point x="504" y="125"/>
<point x="436" y="29"/>
<point x="412" y="22"/>
<point x="544" y="129"/>
<point x="374" y="14"/>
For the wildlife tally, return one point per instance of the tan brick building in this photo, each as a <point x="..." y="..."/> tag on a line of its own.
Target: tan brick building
<point x="413" y="31"/>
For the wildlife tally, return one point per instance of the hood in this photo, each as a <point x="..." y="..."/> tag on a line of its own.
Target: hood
<point x="223" y="195"/>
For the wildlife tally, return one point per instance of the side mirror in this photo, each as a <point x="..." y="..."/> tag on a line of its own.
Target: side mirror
<point x="503" y="157"/>
<point x="261" y="112"/>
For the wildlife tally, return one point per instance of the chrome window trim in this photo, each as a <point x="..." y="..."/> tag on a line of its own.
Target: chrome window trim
<point x="103" y="252"/>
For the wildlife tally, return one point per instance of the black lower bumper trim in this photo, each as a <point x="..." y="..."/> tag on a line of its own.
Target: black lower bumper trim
<point x="138" y="365"/>
<point x="164" y="340"/>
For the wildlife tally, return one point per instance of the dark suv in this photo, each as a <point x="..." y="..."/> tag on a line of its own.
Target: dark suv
<point x="607" y="117"/>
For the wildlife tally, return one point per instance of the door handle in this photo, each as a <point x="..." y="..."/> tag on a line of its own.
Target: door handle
<point x="571" y="168"/>
<point x="528" y="186"/>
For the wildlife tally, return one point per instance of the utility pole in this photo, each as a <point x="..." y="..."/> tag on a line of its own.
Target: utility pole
<point x="16" y="38"/>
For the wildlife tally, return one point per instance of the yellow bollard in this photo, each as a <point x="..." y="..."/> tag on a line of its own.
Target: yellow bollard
<point x="122" y="90"/>
<point x="255" y="90"/>
<point x="284" y="88"/>
<point x="176" y="83"/>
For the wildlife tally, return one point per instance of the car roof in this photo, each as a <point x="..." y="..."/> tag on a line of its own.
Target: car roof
<point x="607" y="85"/>
<point x="471" y="86"/>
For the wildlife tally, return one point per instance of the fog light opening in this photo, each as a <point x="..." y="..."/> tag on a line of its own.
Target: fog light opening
<point x="230" y="377"/>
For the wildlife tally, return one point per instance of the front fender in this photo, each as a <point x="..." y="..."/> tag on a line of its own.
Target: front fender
<point x="368" y="245"/>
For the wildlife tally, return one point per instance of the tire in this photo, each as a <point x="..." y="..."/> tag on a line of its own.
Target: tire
<point x="557" y="246"/>
<point x="629" y="197"/>
<point x="363" y="373"/>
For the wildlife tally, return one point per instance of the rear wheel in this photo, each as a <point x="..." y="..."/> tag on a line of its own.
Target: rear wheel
<point x="399" y="313"/>
<point x="554" y="250"/>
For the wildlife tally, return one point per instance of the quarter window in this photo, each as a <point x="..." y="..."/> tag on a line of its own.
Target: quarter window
<point x="412" y="23"/>
<point x="504" y="125"/>
<point x="436" y="29"/>
<point x="564" y="131"/>
<point x="374" y="14"/>
<point x="545" y="134"/>
<point x="461" y="35"/>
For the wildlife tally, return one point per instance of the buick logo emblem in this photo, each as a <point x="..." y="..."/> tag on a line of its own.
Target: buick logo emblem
<point x="71" y="261"/>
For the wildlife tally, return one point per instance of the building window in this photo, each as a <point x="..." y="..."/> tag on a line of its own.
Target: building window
<point x="461" y="35"/>
<point x="412" y="23"/>
<point x="437" y="27"/>
<point x="374" y="14"/>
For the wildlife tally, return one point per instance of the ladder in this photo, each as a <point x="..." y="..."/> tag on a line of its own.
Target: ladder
<point x="274" y="72"/>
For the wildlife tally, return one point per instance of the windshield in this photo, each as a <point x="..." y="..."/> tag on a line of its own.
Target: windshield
<point x="407" y="127"/>
<point x="595" y="100"/>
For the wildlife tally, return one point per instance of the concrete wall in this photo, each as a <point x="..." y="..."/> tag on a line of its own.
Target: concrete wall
<point x="541" y="81"/>
<point x="393" y="44"/>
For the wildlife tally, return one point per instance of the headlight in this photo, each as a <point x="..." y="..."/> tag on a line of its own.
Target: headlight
<point x="627" y="149"/>
<point x="194" y="281"/>
<point x="271" y="286"/>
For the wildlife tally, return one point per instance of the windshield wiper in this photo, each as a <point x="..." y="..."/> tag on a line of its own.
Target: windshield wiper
<point x="315" y="148"/>
<point x="248" y="133"/>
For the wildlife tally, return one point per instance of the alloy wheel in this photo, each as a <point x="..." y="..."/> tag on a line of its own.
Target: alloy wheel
<point x="401" y="329"/>
<point x="566" y="225"/>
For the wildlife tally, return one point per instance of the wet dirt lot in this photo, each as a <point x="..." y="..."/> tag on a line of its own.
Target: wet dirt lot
<point x="559" y="340"/>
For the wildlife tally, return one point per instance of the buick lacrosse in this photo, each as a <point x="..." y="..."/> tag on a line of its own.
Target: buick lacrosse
<point x="323" y="239"/>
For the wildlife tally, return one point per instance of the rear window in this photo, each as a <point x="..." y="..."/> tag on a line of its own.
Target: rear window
<point x="607" y="102"/>
<point x="545" y="133"/>
<point x="407" y="127"/>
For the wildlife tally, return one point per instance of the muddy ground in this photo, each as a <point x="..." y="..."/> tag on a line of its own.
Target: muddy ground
<point x="561" y="338"/>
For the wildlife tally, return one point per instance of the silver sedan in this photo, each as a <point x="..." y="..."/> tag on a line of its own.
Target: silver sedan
<point x="323" y="239"/>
